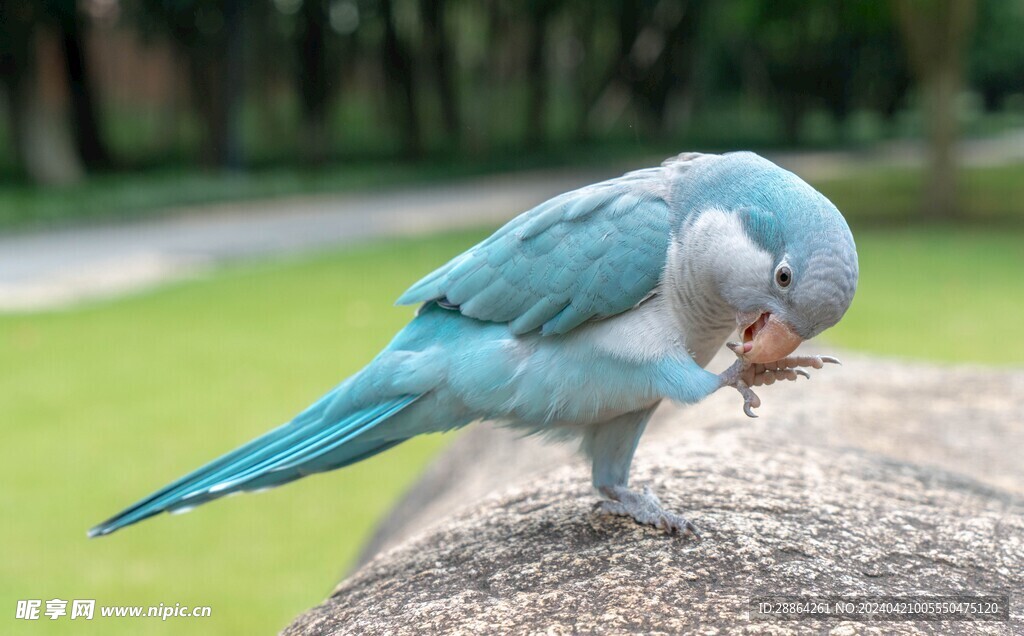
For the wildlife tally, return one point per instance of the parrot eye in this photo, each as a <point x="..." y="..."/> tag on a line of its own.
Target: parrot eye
<point x="783" y="276"/>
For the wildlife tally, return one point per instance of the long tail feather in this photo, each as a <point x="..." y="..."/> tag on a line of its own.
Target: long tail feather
<point x="303" y="446"/>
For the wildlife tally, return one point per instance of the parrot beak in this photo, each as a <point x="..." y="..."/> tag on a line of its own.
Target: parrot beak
<point x="765" y="338"/>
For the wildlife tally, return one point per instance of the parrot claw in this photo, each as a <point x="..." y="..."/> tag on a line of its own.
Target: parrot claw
<point x="784" y="369"/>
<point x="736" y="377"/>
<point x="644" y="508"/>
<point x="743" y="375"/>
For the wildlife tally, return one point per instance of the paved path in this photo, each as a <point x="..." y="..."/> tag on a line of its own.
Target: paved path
<point x="53" y="269"/>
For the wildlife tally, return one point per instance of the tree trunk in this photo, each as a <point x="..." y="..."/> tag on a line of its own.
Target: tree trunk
<point x="86" y="127"/>
<point x="439" y="49"/>
<point x="399" y="77"/>
<point x="941" y="189"/>
<point x="937" y="33"/>
<point x="39" y="137"/>
<point x="234" y="86"/>
<point x="672" y="70"/>
<point x="207" y="91"/>
<point x="311" y="75"/>
<point x="586" y="22"/>
<point x="215" y="69"/>
<point x="17" y="33"/>
<point x="536" y="76"/>
<point x="792" y="116"/>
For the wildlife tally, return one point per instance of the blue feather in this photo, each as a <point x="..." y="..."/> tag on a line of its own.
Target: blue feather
<point x="561" y="263"/>
<point x="285" y="447"/>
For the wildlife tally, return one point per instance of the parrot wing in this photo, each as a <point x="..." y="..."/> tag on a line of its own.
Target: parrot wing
<point x="584" y="255"/>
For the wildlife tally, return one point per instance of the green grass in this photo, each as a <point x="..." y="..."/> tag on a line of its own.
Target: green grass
<point x="891" y="196"/>
<point x="949" y="292"/>
<point x="945" y="294"/>
<point x="104" y="404"/>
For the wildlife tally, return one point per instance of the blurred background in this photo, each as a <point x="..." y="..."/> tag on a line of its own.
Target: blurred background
<point x="263" y="161"/>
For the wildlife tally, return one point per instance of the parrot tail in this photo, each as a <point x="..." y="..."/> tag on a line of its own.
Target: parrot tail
<point x="308" y="444"/>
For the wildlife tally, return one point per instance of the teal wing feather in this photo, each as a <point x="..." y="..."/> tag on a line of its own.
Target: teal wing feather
<point x="584" y="255"/>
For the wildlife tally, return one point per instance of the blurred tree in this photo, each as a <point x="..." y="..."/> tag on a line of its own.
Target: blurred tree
<point x="585" y="23"/>
<point x="504" y="75"/>
<point x="480" y="63"/>
<point x="803" y="56"/>
<point x="208" y="36"/>
<point x="39" y="139"/>
<point x="70" y="23"/>
<point x="401" y="82"/>
<point x="537" y="16"/>
<point x="311" y="74"/>
<point x="17" y="40"/>
<point x="645" y="50"/>
<point x="997" y="56"/>
<point x="663" y="55"/>
<point x="438" y="49"/>
<point x="937" y="33"/>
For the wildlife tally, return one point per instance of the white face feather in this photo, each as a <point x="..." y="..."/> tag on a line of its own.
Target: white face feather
<point x="715" y="270"/>
<point x="714" y="249"/>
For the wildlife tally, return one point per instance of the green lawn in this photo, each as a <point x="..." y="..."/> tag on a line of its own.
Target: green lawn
<point x="945" y="294"/>
<point x="991" y="195"/>
<point x="103" y="404"/>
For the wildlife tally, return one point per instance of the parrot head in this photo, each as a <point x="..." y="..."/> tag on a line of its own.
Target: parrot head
<point x="784" y="260"/>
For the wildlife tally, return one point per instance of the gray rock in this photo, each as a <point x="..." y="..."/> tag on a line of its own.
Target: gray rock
<point x="880" y="478"/>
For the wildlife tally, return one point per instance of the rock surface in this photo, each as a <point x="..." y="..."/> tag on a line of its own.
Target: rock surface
<point x="880" y="478"/>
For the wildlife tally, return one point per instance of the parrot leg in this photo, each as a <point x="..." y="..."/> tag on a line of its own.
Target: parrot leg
<point x="644" y="508"/>
<point x="742" y="375"/>
<point x="611" y="445"/>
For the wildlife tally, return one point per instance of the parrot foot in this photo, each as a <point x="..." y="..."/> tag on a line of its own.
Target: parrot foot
<point x="645" y="508"/>
<point x="742" y="375"/>
<point x="785" y="369"/>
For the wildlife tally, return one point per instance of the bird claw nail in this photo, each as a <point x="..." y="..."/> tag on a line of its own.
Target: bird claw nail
<point x="743" y="375"/>
<point x="645" y="508"/>
<point x="785" y="369"/>
<point x="735" y="376"/>
<point x="750" y="400"/>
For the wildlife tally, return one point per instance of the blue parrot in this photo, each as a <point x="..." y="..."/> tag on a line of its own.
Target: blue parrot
<point x="575" y="320"/>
